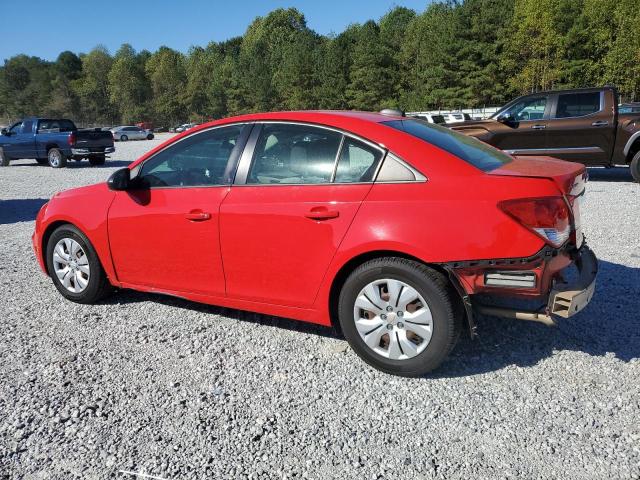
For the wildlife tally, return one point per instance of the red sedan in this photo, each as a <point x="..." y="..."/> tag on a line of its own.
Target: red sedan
<point x="392" y="228"/>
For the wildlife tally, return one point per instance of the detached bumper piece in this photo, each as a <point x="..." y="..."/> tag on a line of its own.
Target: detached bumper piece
<point x="565" y="299"/>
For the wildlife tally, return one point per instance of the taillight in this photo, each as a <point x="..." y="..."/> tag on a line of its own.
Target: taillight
<point x="548" y="217"/>
<point x="72" y="138"/>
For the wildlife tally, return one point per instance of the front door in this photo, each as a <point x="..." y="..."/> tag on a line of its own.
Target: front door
<point x="165" y="233"/>
<point x="281" y="225"/>
<point x="526" y="132"/>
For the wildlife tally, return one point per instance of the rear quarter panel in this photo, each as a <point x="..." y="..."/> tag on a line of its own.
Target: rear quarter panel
<point x="628" y="133"/>
<point x="58" y="139"/>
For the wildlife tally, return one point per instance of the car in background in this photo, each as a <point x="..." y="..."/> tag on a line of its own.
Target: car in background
<point x="145" y="125"/>
<point x="629" y="107"/>
<point x="454" y="117"/>
<point x="53" y="141"/>
<point x="125" y="133"/>
<point x="184" y="127"/>
<point x="579" y="125"/>
<point x="428" y="117"/>
<point x="391" y="227"/>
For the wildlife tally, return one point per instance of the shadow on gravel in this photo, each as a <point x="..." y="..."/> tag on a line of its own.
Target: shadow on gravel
<point x="614" y="174"/>
<point x="22" y="210"/>
<point x="609" y="326"/>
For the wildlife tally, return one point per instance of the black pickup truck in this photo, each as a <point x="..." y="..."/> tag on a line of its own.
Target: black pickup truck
<point x="53" y="141"/>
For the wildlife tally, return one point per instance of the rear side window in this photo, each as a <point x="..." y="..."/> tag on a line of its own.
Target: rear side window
<point x="577" y="104"/>
<point x="358" y="162"/>
<point x="294" y="154"/>
<point x="53" y="125"/>
<point x="469" y="149"/>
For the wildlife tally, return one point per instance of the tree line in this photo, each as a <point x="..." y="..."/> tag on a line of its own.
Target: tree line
<point x="465" y="53"/>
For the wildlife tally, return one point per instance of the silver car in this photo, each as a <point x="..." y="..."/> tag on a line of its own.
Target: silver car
<point x="125" y="133"/>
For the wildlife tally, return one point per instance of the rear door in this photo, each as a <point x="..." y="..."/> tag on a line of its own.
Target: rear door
<point x="289" y="209"/>
<point x="581" y="128"/>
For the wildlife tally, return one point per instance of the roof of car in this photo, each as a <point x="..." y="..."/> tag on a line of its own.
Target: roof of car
<point x="310" y="116"/>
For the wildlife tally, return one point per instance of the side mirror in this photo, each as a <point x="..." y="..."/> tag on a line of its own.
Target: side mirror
<point x="506" y="118"/>
<point x="120" y="180"/>
<point x="4" y="132"/>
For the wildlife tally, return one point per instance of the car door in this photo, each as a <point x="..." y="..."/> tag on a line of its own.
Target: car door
<point x="164" y="233"/>
<point x="21" y="141"/>
<point x="289" y="209"/>
<point x="9" y="142"/>
<point x="139" y="133"/>
<point x="524" y="130"/>
<point x="581" y="128"/>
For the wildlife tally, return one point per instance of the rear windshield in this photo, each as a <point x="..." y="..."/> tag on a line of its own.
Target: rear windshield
<point x="469" y="149"/>
<point x="56" y="125"/>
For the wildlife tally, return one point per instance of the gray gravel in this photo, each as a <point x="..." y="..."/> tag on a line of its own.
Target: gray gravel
<point x="155" y="385"/>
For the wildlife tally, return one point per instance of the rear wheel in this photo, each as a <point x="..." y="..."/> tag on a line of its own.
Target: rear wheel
<point x="74" y="266"/>
<point x="4" y="160"/>
<point x="150" y="136"/>
<point x="635" y="167"/>
<point x="56" y="158"/>
<point x="399" y="316"/>
<point x="123" y="138"/>
<point x="97" y="160"/>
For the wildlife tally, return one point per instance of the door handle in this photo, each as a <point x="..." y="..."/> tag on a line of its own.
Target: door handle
<point x="321" y="213"/>
<point x="600" y="123"/>
<point x="538" y="127"/>
<point x="197" y="216"/>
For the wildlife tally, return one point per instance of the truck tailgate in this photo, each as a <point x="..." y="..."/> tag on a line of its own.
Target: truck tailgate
<point x="93" y="139"/>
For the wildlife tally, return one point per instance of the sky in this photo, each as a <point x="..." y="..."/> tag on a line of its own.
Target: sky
<point x="44" y="28"/>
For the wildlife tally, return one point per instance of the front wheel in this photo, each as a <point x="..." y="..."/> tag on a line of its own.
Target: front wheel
<point x="74" y="266"/>
<point x="635" y="167"/>
<point x="56" y="158"/>
<point x="399" y="316"/>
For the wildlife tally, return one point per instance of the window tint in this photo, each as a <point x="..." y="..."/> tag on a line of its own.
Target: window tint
<point x="27" y="126"/>
<point x="200" y="160"/>
<point x="469" y="149"/>
<point x="527" y="109"/>
<point x="357" y="163"/>
<point x="295" y="154"/>
<point x="577" y="104"/>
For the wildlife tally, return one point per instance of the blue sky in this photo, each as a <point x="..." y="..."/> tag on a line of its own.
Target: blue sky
<point x="44" y="28"/>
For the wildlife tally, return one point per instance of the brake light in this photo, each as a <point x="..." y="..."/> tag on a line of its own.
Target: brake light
<point x="547" y="217"/>
<point x="72" y="138"/>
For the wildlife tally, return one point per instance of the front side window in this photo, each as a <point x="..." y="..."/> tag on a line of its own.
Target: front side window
<point x="527" y="109"/>
<point x="27" y="126"/>
<point x="357" y="162"/>
<point x="199" y="160"/>
<point x="577" y="104"/>
<point x="469" y="149"/>
<point x="294" y="154"/>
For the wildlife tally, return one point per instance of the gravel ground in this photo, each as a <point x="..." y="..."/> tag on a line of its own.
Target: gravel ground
<point x="148" y="384"/>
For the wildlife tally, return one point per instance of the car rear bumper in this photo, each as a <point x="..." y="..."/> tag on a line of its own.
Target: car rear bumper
<point x="541" y="279"/>
<point x="89" y="151"/>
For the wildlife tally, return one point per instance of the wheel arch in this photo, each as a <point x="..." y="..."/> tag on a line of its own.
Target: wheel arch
<point x="633" y="148"/>
<point x="353" y="263"/>
<point x="51" y="145"/>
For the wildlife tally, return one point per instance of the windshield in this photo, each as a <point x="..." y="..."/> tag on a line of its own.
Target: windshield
<point x="469" y="149"/>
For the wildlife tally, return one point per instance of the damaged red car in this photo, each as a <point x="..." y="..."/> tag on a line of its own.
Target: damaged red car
<point x="396" y="230"/>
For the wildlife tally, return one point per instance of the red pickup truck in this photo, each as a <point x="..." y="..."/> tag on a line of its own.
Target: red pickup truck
<point x="580" y="125"/>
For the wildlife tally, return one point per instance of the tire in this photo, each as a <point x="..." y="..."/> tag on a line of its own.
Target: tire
<point x="56" y="158"/>
<point x="4" y="160"/>
<point x="150" y="136"/>
<point x="97" y="160"/>
<point x="439" y="333"/>
<point x="635" y="167"/>
<point x="97" y="286"/>
<point x="123" y="138"/>
<point x="42" y="161"/>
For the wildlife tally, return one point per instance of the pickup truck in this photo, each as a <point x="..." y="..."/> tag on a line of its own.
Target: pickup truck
<point x="580" y="125"/>
<point x="53" y="141"/>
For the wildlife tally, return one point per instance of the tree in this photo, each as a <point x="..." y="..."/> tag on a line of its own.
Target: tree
<point x="166" y="72"/>
<point x="129" y="88"/>
<point x="93" y="87"/>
